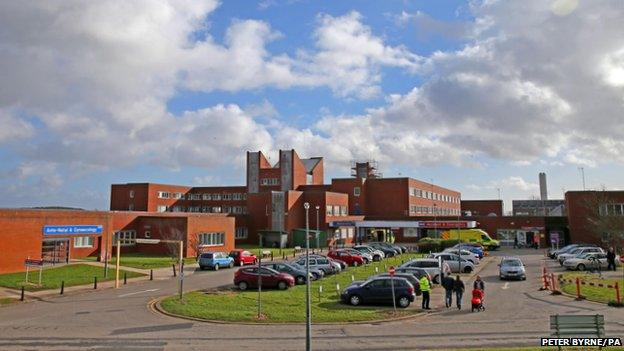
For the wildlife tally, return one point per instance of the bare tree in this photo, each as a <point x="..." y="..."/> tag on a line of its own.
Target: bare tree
<point x="173" y="248"/>
<point x="605" y="221"/>
<point x="195" y="244"/>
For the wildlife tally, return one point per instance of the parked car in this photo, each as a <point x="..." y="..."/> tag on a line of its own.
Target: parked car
<point x="339" y="265"/>
<point x="399" y="248"/>
<point x="378" y="255"/>
<point x="316" y="272"/>
<point x="455" y="263"/>
<point x="320" y="262"/>
<point x="248" y="277"/>
<point x="511" y="268"/>
<point x="579" y="250"/>
<point x="430" y="265"/>
<point x="243" y="257"/>
<point x="365" y="255"/>
<point x="569" y="248"/>
<point x="477" y="250"/>
<point x="415" y="271"/>
<point x="388" y="251"/>
<point x="408" y="276"/>
<point x="590" y="260"/>
<point x="465" y="254"/>
<point x="215" y="260"/>
<point x="348" y="257"/>
<point x="379" y="291"/>
<point x="295" y="270"/>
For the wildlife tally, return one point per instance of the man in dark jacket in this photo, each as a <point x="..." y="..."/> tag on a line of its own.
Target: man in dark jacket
<point x="447" y="284"/>
<point x="458" y="288"/>
<point x="611" y="259"/>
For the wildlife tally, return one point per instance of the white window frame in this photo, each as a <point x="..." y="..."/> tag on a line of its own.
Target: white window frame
<point x="128" y="237"/>
<point x="79" y="242"/>
<point x="216" y="197"/>
<point x="241" y="233"/>
<point x="131" y="194"/>
<point x="161" y="208"/>
<point x="211" y="239"/>
<point x="206" y="197"/>
<point x="329" y="210"/>
<point x="163" y="195"/>
<point x="227" y="197"/>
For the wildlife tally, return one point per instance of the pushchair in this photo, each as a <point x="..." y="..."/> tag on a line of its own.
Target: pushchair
<point x="477" y="300"/>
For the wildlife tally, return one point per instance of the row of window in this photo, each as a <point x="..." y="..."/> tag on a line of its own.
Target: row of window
<point x="181" y="196"/>
<point x="269" y="181"/>
<point x="211" y="239"/>
<point x="83" y="241"/>
<point x="125" y="238"/>
<point x="241" y="233"/>
<point x="433" y="196"/>
<point x="336" y="210"/>
<point x="203" y="209"/>
<point x="434" y="210"/>
<point x="611" y="209"/>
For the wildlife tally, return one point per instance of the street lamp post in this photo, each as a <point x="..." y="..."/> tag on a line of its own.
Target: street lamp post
<point x="308" y="310"/>
<point x="317" y="227"/>
<point x="260" y="278"/>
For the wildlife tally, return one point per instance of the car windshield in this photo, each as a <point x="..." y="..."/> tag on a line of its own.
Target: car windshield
<point x="513" y="263"/>
<point x="206" y="255"/>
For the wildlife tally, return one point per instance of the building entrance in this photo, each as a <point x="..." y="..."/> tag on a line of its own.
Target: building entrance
<point x="55" y="251"/>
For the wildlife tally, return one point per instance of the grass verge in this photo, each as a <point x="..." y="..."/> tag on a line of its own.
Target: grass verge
<point x="593" y="293"/>
<point x="288" y="306"/>
<point x="145" y="261"/>
<point x="74" y="274"/>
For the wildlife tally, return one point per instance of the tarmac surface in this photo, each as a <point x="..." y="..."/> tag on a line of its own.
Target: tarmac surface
<point x="517" y="314"/>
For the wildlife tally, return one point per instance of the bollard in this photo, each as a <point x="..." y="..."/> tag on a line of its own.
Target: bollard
<point x="62" y="287"/>
<point x="271" y="256"/>
<point x="151" y="274"/>
<point x="618" y="298"/>
<point x="352" y="278"/>
<point x="338" y="290"/>
<point x="22" y="295"/>
<point x="320" y="291"/>
<point x="385" y="267"/>
<point x="293" y="253"/>
<point x="578" y="289"/>
<point x="94" y="282"/>
<point x="284" y="256"/>
<point x="174" y="270"/>
<point x="544" y="280"/>
<point x="125" y="279"/>
<point x="554" y="285"/>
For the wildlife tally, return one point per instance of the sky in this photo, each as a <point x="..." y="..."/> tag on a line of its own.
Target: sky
<point x="476" y="96"/>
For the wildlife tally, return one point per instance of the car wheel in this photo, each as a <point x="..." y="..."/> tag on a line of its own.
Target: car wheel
<point x="243" y="285"/>
<point x="501" y="277"/>
<point x="580" y="267"/>
<point x="403" y="302"/>
<point x="468" y="269"/>
<point x="282" y="285"/>
<point x="231" y="265"/>
<point x="300" y="279"/>
<point x="436" y="279"/>
<point x="377" y="258"/>
<point x="315" y="276"/>
<point x="355" y="300"/>
<point x="202" y="267"/>
<point x="255" y="261"/>
<point x="216" y="267"/>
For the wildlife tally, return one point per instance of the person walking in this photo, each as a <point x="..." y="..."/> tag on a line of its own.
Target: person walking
<point x="479" y="284"/>
<point x="447" y="284"/>
<point x="458" y="288"/>
<point x="611" y="259"/>
<point x="425" y="287"/>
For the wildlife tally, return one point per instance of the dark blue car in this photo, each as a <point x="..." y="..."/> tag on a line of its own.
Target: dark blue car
<point x="378" y="290"/>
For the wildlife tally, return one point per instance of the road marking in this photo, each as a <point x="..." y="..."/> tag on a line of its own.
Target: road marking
<point x="506" y="286"/>
<point x="138" y="292"/>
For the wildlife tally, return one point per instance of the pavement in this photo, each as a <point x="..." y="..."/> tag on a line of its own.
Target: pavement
<point x="517" y="315"/>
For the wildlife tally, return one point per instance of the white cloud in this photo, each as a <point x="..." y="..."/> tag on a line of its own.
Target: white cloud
<point x="513" y="183"/>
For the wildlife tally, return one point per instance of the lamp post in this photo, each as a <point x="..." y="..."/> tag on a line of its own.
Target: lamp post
<point x="260" y="278"/>
<point x="317" y="227"/>
<point x="308" y="310"/>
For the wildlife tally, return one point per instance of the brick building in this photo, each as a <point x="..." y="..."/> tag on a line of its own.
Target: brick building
<point x="56" y="236"/>
<point x="596" y="216"/>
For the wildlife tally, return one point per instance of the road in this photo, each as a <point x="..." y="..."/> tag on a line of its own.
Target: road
<point x="517" y="315"/>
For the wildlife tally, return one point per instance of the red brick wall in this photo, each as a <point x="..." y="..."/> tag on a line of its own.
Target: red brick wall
<point x="346" y="185"/>
<point x="257" y="219"/>
<point x="318" y="173"/>
<point x="217" y="223"/>
<point x="578" y="206"/>
<point x="120" y="197"/>
<point x="482" y="207"/>
<point x="388" y="196"/>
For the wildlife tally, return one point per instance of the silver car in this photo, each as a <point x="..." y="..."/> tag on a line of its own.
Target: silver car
<point x="322" y="263"/>
<point x="511" y="268"/>
<point x="591" y="260"/>
<point x="456" y="266"/>
<point x="429" y="265"/>
<point x="580" y="250"/>
<point x="378" y="255"/>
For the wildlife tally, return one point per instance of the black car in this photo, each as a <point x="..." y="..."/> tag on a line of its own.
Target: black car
<point x="388" y="251"/>
<point x="379" y="291"/>
<point x="284" y="267"/>
<point x="409" y="276"/>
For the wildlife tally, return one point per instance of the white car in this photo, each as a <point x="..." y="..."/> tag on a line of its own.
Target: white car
<point x="430" y="266"/>
<point x="578" y="251"/>
<point x="591" y="260"/>
<point x="456" y="264"/>
<point x="465" y="254"/>
<point x="378" y="255"/>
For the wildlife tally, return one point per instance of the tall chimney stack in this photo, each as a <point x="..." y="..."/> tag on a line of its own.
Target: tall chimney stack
<point x="543" y="187"/>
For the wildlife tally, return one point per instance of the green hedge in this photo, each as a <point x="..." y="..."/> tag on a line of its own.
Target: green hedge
<point x="435" y="245"/>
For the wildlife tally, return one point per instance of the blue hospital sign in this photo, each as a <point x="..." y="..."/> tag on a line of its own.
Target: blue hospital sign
<point x="71" y="229"/>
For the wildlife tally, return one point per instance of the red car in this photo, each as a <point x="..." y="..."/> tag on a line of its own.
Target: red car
<point x="248" y="277"/>
<point x="346" y="256"/>
<point x="243" y="257"/>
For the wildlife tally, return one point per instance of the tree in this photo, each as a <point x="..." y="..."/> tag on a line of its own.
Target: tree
<point x="174" y="234"/>
<point x="605" y="219"/>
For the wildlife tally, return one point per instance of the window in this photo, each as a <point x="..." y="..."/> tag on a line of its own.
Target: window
<point x="206" y="197"/>
<point x="216" y="196"/>
<point x="227" y="209"/>
<point x="83" y="241"/>
<point x="216" y="209"/>
<point x="357" y="191"/>
<point x="131" y="207"/>
<point x="350" y="232"/>
<point x="343" y="210"/>
<point x="177" y="209"/>
<point x="269" y="181"/>
<point x="211" y="239"/>
<point x="161" y="208"/>
<point x="227" y="196"/>
<point x="328" y="210"/>
<point x="147" y="234"/>
<point x="611" y="209"/>
<point x="194" y="196"/>
<point x="244" y="209"/>
<point x="237" y="209"/>
<point x="205" y="209"/>
<point x="178" y="196"/>
<point x="163" y="195"/>
<point x="131" y="194"/>
<point x="241" y="233"/>
<point x="237" y="196"/>
<point x="336" y="210"/>
<point x="125" y="237"/>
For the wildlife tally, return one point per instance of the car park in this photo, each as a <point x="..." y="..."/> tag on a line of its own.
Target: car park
<point x="378" y="255"/>
<point x="454" y="262"/>
<point x="295" y="270"/>
<point x="243" y="257"/>
<point x="348" y="257"/>
<point x="579" y="250"/>
<point x="320" y="262"/>
<point x="379" y="291"/>
<point x="408" y="276"/>
<point x="590" y="260"/>
<point x="249" y="277"/>
<point x="465" y="254"/>
<point x="430" y="265"/>
<point x="511" y="268"/>
<point x="215" y="260"/>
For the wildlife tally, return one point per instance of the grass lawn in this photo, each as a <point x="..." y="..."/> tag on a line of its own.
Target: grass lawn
<point x="7" y="301"/>
<point x="593" y="293"/>
<point x="287" y="306"/>
<point x="75" y="274"/>
<point x="145" y="261"/>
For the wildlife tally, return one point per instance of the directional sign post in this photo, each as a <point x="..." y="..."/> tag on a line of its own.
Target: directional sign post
<point x="392" y="271"/>
<point x="29" y="262"/>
